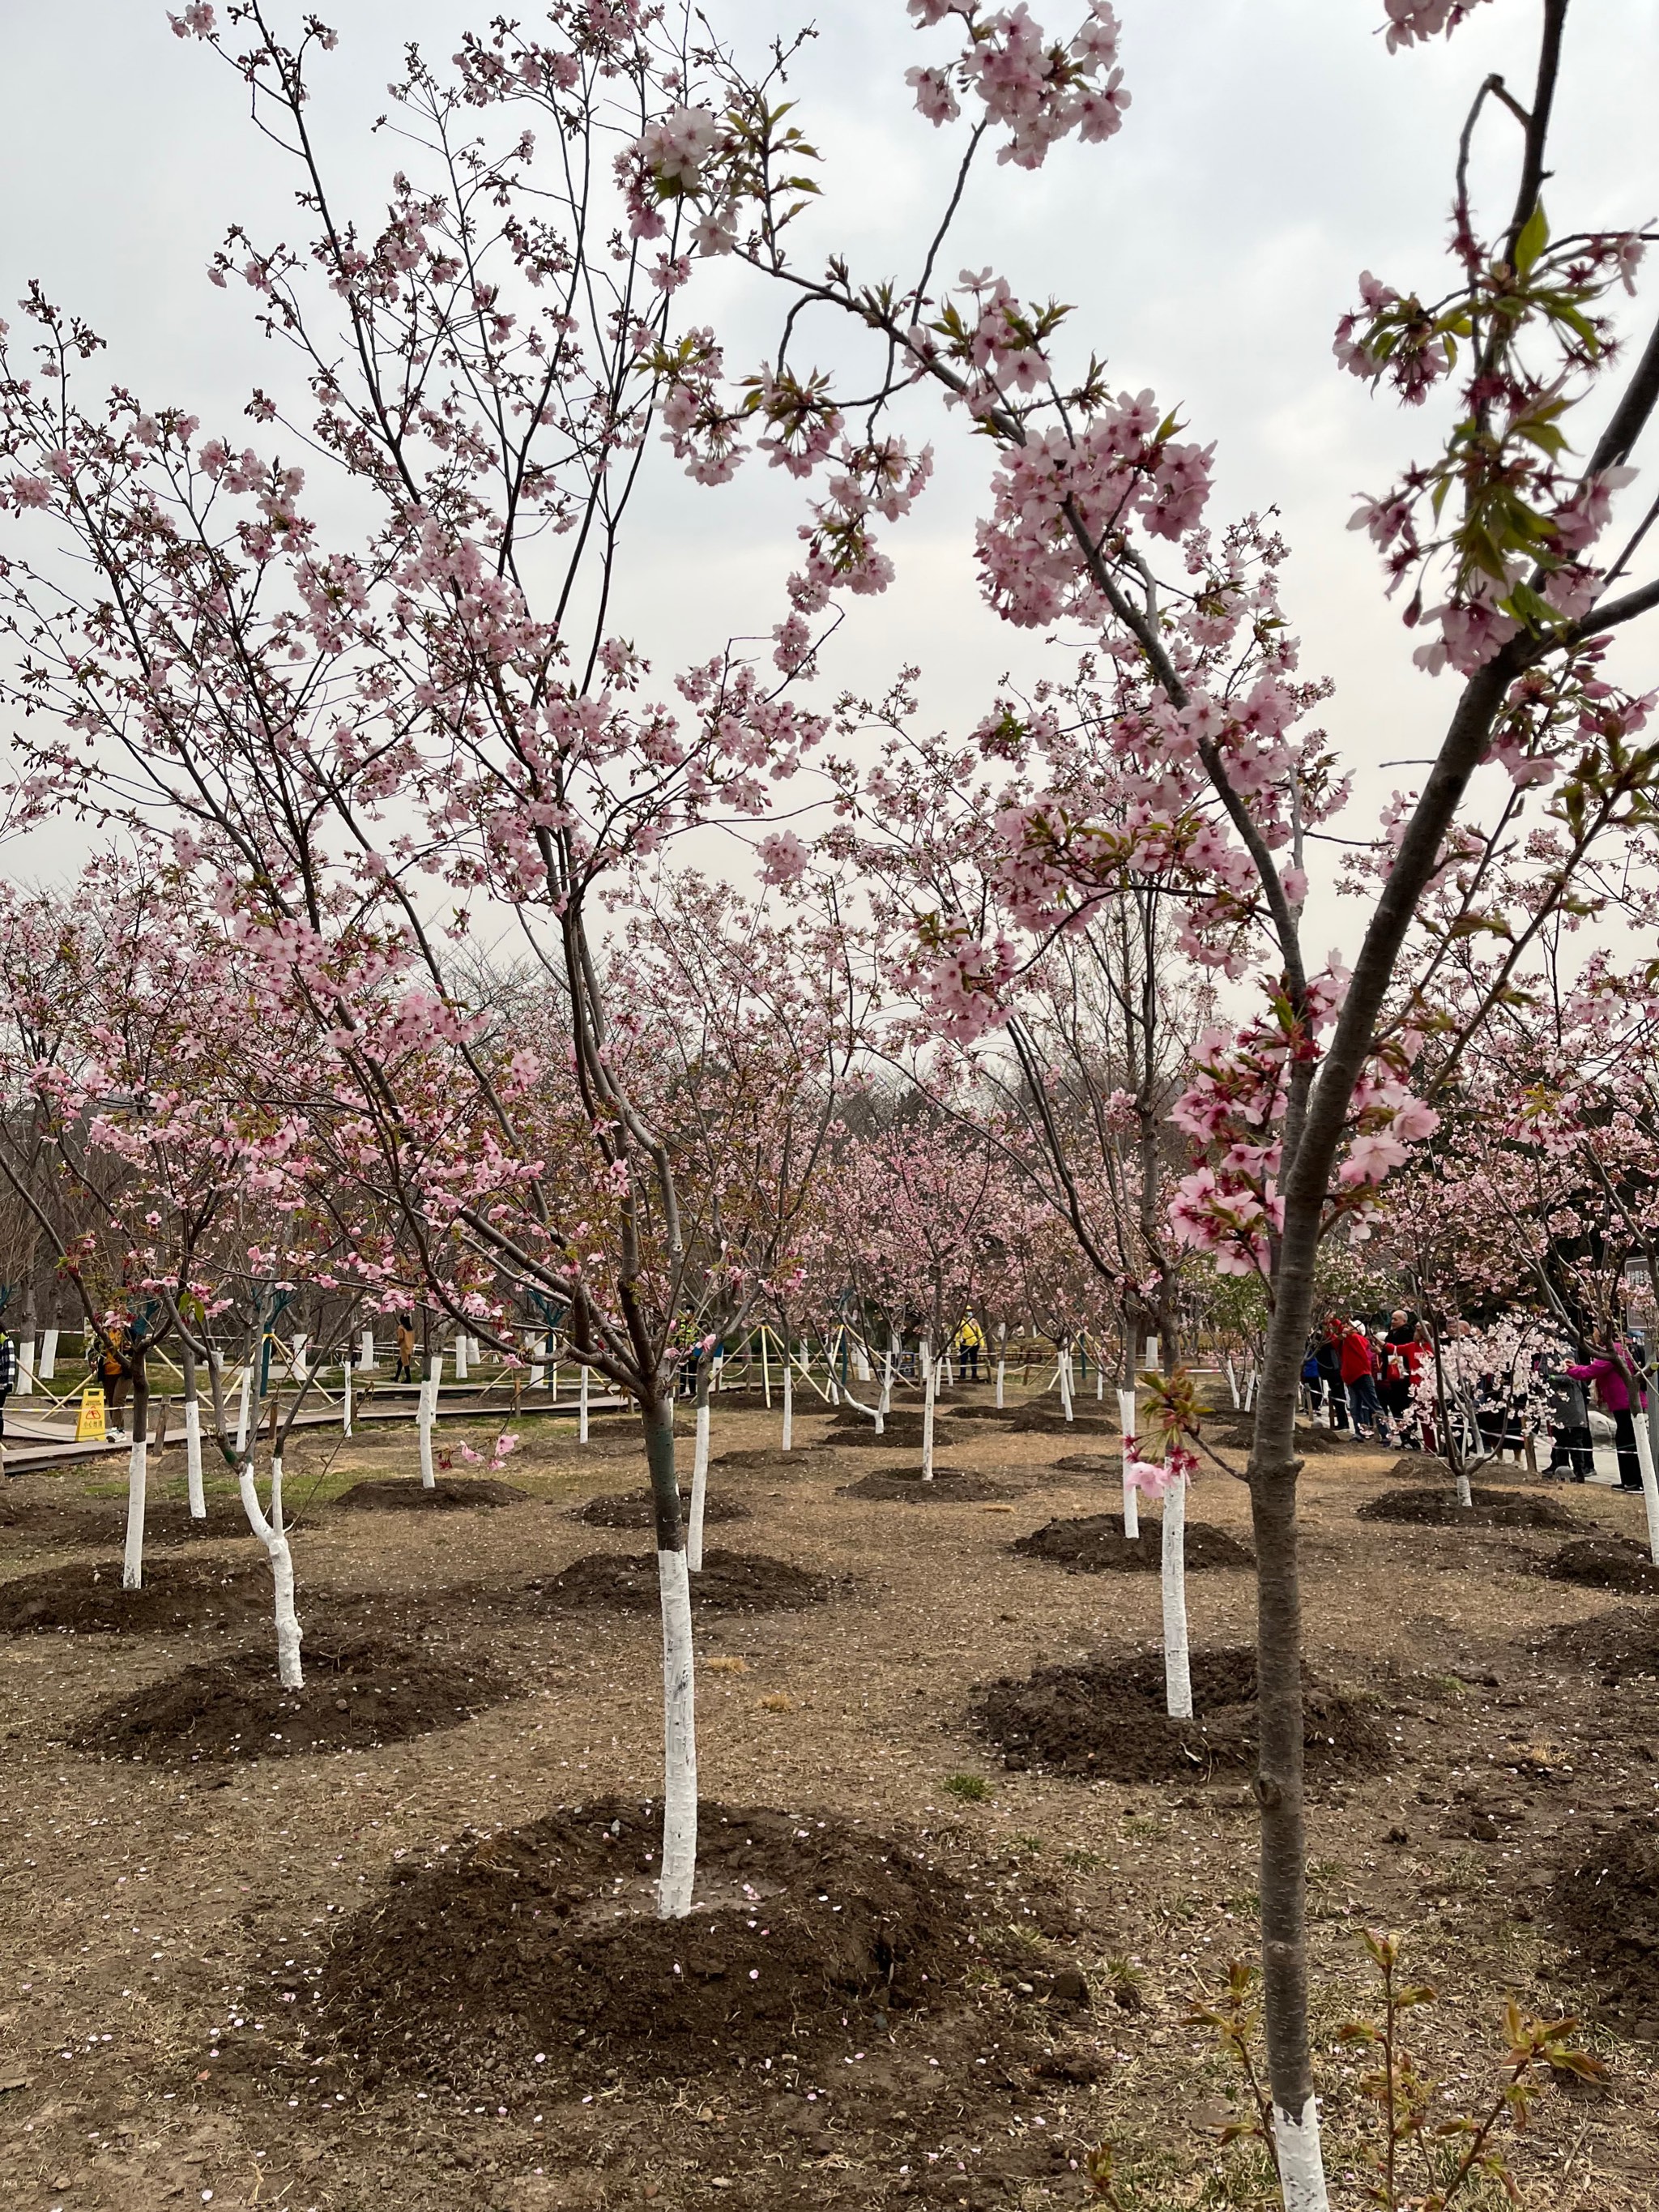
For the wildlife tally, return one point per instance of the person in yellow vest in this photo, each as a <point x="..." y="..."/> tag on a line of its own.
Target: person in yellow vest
<point x="971" y="1342"/>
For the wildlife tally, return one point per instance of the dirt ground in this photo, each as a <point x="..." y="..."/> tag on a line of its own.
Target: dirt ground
<point x="341" y="1980"/>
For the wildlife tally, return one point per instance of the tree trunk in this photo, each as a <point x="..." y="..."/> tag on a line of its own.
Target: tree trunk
<point x="49" y="1355"/>
<point x="766" y="1367"/>
<point x="366" y="1356"/>
<point x="425" y="1413"/>
<point x="679" y="1811"/>
<point x="244" y="1408"/>
<point x="133" y="1562"/>
<point x="1642" y="1427"/>
<point x="1002" y="1359"/>
<point x="788" y="1400"/>
<point x="1177" y="1675"/>
<point x="194" y="1438"/>
<point x="699" y="1470"/>
<point x="345" y="1400"/>
<point x="927" y="1409"/>
<point x="581" y="1406"/>
<point x="1065" y="1380"/>
<point x="1232" y="1383"/>
<point x="273" y="1536"/>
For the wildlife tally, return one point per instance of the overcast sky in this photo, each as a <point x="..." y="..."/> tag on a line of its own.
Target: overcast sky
<point x="1274" y="149"/>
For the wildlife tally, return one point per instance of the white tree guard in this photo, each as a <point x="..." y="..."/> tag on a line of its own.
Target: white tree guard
<point x="1301" y="2162"/>
<point x="679" y="1713"/>
<point x="1177" y="1672"/>
<point x="49" y="1355"/>
<point x="699" y="1491"/>
<point x="193" y="1458"/>
<point x="1127" y="1418"/>
<point x="926" y="1355"/>
<point x="132" y="1562"/>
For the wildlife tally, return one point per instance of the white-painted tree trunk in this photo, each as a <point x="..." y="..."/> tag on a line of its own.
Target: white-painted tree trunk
<point x="679" y="1713"/>
<point x="1465" y="1495"/>
<point x="553" y="1383"/>
<point x="1232" y="1383"/>
<point x="49" y="1355"/>
<point x="861" y="1361"/>
<point x="1127" y="1418"/>
<point x="886" y="1403"/>
<point x="193" y="1455"/>
<point x="26" y="1368"/>
<point x="1177" y="1674"/>
<point x="243" y="1407"/>
<point x="297" y="1367"/>
<point x="1100" y="1379"/>
<point x="132" y="1562"/>
<point x="766" y="1370"/>
<point x="1301" y="2163"/>
<point x="461" y="1349"/>
<point x="1154" y="1351"/>
<point x="927" y="1392"/>
<point x="581" y="1407"/>
<point x="1250" y="1390"/>
<point x="1002" y="1356"/>
<point x="272" y="1535"/>
<point x="788" y="1403"/>
<point x="1643" y="1427"/>
<point x="345" y="1402"/>
<point x="949" y="1371"/>
<point x="425" y="1409"/>
<point x="1065" y="1382"/>
<point x="366" y="1353"/>
<point x="699" y="1489"/>
<point x="538" y="1362"/>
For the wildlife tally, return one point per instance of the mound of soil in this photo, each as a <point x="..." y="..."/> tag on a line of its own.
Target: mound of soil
<point x="632" y="1509"/>
<point x="1105" y="1720"/>
<point x="1090" y="1463"/>
<point x="1238" y="1435"/>
<point x="1099" y="1546"/>
<point x="1622" y="1646"/>
<point x="178" y="1595"/>
<point x="730" y="1582"/>
<point x="987" y="1413"/>
<point x="768" y="1459"/>
<point x="1609" y="1562"/>
<point x="545" y="1938"/>
<point x="951" y="1485"/>
<point x="450" y="1493"/>
<point x="1607" y="1907"/>
<point x="904" y="1435"/>
<point x="1492" y="1508"/>
<point x="1421" y="1467"/>
<point x="359" y="1693"/>
<point x="1032" y="1424"/>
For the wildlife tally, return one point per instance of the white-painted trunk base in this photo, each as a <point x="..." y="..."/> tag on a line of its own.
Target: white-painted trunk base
<point x="366" y="1350"/>
<point x="49" y="1356"/>
<point x="1301" y="2162"/>
<point x="538" y="1362"/>
<point x="699" y="1494"/>
<point x="345" y="1401"/>
<point x="461" y="1359"/>
<point x="679" y="1715"/>
<point x="242" y="1409"/>
<point x="1001" y="1370"/>
<point x="581" y="1410"/>
<point x="423" y="1417"/>
<point x="26" y="1368"/>
<point x="273" y="1536"/>
<point x="132" y="1562"/>
<point x="927" y="1396"/>
<point x="788" y="1406"/>
<point x="193" y="1459"/>
<point x="1640" y="1423"/>
<point x="1233" y="1384"/>
<point x="1126" y="1420"/>
<point x="1177" y="1673"/>
<point x="1465" y="1495"/>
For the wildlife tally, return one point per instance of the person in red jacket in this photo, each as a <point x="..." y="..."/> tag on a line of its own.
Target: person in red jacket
<point x="1609" y="1371"/>
<point x="1359" y="1378"/>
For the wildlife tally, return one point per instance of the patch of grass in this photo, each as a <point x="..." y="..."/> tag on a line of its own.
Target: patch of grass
<point x="727" y="1664"/>
<point x="1084" y="1860"/>
<point x="1246" y="1902"/>
<point x="971" y="1789"/>
<point x="1142" y="1828"/>
<point x="1031" y="1844"/>
<point x="1126" y="1985"/>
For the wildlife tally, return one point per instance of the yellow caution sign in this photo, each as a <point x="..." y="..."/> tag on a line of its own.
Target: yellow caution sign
<point x="89" y="1427"/>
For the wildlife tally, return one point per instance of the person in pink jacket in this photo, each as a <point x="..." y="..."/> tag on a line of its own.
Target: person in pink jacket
<point x="1609" y="1375"/>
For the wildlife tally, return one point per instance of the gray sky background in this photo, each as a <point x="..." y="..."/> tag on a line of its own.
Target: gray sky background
<point x="1273" y="148"/>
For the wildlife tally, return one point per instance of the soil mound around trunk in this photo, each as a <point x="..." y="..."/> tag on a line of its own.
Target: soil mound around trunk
<point x="987" y="1413"/>
<point x="1099" y="1546"/>
<point x="1609" y="1562"/>
<point x="98" y="1523"/>
<point x="632" y="1509"/>
<point x="901" y="1434"/>
<point x="359" y="1693"/>
<point x="1620" y="1647"/>
<point x="449" y="1493"/>
<point x="765" y="1459"/>
<point x="1045" y="1423"/>
<point x="1492" y="1508"/>
<point x="1105" y="1720"/>
<point x="178" y="1595"/>
<point x="1421" y="1467"/>
<point x="544" y="1939"/>
<point x="730" y="1582"/>
<point x="1236" y="1434"/>
<point x="1607" y="1906"/>
<point x="1090" y="1463"/>
<point x="951" y="1485"/>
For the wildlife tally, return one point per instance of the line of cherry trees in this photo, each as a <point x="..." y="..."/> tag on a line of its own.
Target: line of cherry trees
<point x="345" y="681"/>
